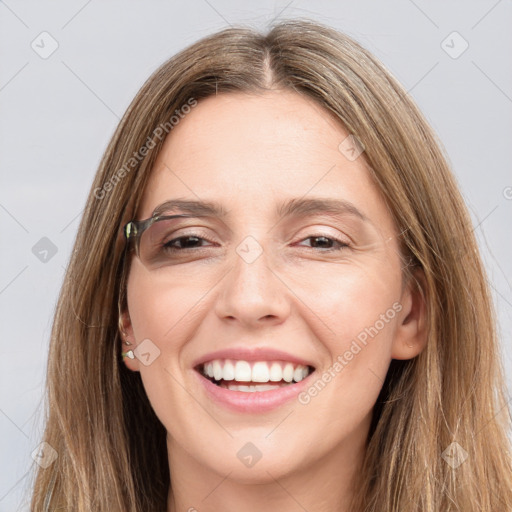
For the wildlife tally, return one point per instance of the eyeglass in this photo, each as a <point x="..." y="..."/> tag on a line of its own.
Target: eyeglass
<point x="151" y="238"/>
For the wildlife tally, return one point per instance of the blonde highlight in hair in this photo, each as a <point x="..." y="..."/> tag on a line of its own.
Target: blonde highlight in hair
<point x="110" y="444"/>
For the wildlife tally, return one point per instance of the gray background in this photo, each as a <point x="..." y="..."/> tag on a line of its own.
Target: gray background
<point x="58" y="113"/>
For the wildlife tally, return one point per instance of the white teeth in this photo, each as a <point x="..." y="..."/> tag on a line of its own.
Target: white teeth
<point x="217" y="370"/>
<point x="276" y="372"/>
<point x="242" y="371"/>
<point x="258" y="371"/>
<point x="229" y="371"/>
<point x="288" y="372"/>
<point x="252" y="388"/>
<point x="297" y="375"/>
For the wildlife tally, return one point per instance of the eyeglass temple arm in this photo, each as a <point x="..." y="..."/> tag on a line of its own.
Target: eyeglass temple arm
<point x="134" y="227"/>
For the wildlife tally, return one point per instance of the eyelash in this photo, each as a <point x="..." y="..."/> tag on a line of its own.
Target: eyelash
<point x="341" y="245"/>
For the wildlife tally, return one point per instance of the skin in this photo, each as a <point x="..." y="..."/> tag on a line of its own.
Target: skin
<point x="250" y="153"/>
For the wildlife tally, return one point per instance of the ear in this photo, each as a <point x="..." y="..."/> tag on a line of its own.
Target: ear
<point x="126" y="334"/>
<point x="412" y="329"/>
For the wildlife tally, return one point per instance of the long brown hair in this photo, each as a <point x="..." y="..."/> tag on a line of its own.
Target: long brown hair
<point x="111" y="446"/>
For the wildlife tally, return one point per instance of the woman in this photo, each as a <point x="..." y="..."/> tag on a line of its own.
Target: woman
<point x="275" y="300"/>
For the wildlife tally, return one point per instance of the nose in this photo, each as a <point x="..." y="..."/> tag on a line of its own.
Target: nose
<point x="253" y="294"/>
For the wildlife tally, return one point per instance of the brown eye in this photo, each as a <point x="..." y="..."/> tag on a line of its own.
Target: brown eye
<point x="326" y="243"/>
<point x="184" y="242"/>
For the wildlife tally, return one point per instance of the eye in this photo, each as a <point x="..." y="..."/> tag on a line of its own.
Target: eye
<point x="185" y="242"/>
<point x="326" y="243"/>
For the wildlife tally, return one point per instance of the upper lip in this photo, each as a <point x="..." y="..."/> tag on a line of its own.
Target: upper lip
<point x="252" y="354"/>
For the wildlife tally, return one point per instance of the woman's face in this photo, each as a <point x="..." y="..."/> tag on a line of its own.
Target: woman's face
<point x="301" y="273"/>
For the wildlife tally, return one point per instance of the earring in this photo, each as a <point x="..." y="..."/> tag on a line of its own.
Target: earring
<point x="129" y="354"/>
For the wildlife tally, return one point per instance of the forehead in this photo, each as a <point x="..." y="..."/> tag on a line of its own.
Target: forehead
<point x="252" y="152"/>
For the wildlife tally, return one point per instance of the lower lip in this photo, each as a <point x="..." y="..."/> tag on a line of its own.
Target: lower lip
<point x="252" y="402"/>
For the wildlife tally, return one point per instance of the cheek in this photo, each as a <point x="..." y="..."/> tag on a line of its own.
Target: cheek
<point x="162" y="309"/>
<point x="347" y="300"/>
<point x="355" y="317"/>
<point x="361" y="315"/>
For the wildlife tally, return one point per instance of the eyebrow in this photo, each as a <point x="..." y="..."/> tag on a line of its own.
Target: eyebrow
<point x="303" y="207"/>
<point x="299" y="207"/>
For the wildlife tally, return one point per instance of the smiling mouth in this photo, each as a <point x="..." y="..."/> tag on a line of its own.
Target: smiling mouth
<point x="253" y="376"/>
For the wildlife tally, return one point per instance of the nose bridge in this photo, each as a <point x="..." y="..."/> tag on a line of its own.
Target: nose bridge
<point x="252" y="291"/>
